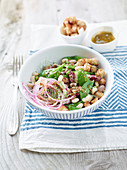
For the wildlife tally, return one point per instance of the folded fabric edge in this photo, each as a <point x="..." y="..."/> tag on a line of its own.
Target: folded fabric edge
<point x="24" y="147"/>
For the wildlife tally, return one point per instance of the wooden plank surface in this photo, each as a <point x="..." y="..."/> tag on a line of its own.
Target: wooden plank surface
<point x="15" y="19"/>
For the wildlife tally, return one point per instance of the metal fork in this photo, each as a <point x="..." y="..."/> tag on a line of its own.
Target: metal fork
<point x="14" y="117"/>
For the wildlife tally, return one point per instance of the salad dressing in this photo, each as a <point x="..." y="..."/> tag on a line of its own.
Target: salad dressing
<point x="103" y="37"/>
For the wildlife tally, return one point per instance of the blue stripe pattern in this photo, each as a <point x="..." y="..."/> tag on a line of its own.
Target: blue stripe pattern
<point x="112" y="113"/>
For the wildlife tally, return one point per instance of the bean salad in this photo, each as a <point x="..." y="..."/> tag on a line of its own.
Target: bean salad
<point x="73" y="84"/>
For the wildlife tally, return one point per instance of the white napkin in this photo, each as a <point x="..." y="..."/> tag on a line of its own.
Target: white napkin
<point x="104" y="129"/>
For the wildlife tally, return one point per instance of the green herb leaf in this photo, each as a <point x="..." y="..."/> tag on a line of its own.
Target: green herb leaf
<point x="86" y="89"/>
<point x="73" y="58"/>
<point x="45" y="73"/>
<point x="36" y="78"/>
<point x="70" y="67"/>
<point x="82" y="77"/>
<point x="65" y="76"/>
<point x="52" y="73"/>
<point x="67" y="73"/>
<point x="72" y="106"/>
<point x="84" y="93"/>
<point x="89" y="73"/>
<point x="56" y="72"/>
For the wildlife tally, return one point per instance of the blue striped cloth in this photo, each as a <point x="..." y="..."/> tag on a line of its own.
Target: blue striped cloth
<point x="111" y="114"/>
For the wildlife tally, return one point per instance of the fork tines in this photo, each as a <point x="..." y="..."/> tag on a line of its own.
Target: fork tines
<point x="17" y="63"/>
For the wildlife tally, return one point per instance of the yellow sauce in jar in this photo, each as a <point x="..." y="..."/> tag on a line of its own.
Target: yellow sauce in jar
<point x="103" y="37"/>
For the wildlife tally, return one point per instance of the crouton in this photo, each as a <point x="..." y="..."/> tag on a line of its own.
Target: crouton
<point x="63" y="108"/>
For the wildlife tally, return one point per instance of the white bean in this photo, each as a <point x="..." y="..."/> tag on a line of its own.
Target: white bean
<point x="96" y="84"/>
<point x="87" y="98"/>
<point x="94" y="89"/>
<point x="73" y="84"/>
<point x="101" y="88"/>
<point x="79" y="67"/>
<point x="75" y="100"/>
<point x="60" y="78"/>
<point x="65" y="60"/>
<point x="80" y="105"/>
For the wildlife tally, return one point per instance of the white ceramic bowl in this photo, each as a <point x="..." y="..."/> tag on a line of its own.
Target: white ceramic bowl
<point x="110" y="46"/>
<point x="77" y="39"/>
<point x="55" y="54"/>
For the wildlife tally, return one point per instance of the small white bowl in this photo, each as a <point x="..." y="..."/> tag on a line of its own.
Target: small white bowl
<point x="77" y="39"/>
<point x="54" y="54"/>
<point x="110" y="46"/>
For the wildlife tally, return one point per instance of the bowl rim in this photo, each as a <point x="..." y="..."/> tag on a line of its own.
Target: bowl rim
<point x="94" y="31"/>
<point x="76" y="36"/>
<point x="73" y="111"/>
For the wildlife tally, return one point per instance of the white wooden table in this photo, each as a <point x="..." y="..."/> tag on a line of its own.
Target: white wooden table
<point x="15" y="19"/>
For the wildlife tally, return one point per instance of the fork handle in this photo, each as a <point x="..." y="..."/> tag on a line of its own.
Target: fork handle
<point x="14" y="119"/>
